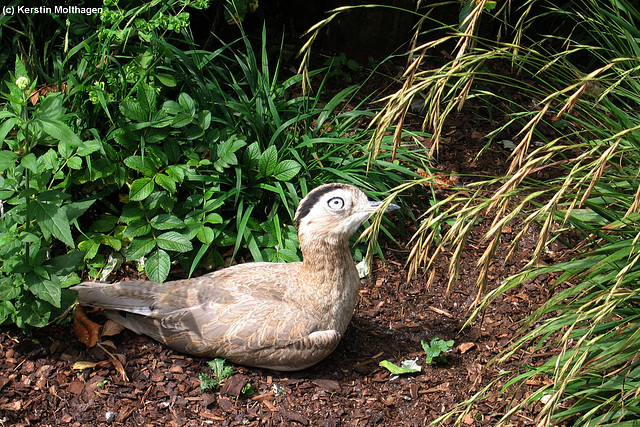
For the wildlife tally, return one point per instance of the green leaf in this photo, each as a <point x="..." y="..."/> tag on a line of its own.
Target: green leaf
<point x="146" y="97"/>
<point x="166" y="222"/>
<point x="268" y="161"/>
<point x="220" y="369"/>
<point x="111" y="241"/>
<point x="47" y="291"/>
<point x="32" y="312"/>
<point x="141" y="189"/>
<point x="63" y="265"/>
<point x="88" y="147"/>
<point x="251" y="155"/>
<point x="213" y="218"/>
<point x="139" y="248"/>
<point x="76" y="209"/>
<point x="90" y="247"/>
<point x="286" y="170"/>
<point x="166" y="182"/>
<point x="206" y="235"/>
<point x="187" y="103"/>
<point x="134" y="111"/>
<point x="204" y="119"/>
<point x="30" y="162"/>
<point x="60" y="131"/>
<point x="140" y="164"/>
<point x="6" y="309"/>
<point x="166" y="79"/>
<point x="174" y="241"/>
<point x="51" y="220"/>
<point x="6" y="127"/>
<point x="7" y="160"/>
<point x="157" y="266"/>
<point x="137" y="228"/>
<point x="9" y="290"/>
<point x="131" y="212"/>
<point x="225" y="152"/>
<point x="408" y="367"/>
<point x="105" y="224"/>
<point x="74" y="162"/>
<point x="20" y="69"/>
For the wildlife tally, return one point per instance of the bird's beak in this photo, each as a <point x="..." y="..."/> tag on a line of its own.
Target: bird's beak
<point x="376" y="205"/>
<point x="392" y="207"/>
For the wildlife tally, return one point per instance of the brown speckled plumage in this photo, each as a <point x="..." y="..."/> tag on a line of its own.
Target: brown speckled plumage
<point x="282" y="316"/>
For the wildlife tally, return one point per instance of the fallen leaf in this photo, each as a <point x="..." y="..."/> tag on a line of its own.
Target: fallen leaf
<point x="82" y="365"/>
<point x="408" y="367"/>
<point x="86" y="330"/>
<point x="441" y="311"/>
<point x="110" y="344"/>
<point x="118" y="360"/>
<point x="111" y="328"/>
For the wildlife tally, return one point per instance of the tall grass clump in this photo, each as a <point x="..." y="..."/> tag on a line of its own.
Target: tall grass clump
<point x="578" y="113"/>
<point x="123" y="140"/>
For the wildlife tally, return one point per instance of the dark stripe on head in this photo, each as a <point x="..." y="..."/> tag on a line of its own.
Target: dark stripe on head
<point x="312" y="198"/>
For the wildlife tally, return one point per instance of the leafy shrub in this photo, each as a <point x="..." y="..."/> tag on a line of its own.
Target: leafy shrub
<point x="157" y="151"/>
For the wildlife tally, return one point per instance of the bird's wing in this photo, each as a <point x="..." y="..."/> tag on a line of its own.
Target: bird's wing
<point x="253" y="332"/>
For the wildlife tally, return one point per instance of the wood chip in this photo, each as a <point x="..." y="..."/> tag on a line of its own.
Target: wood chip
<point x="466" y="346"/>
<point x="329" y="385"/>
<point x="468" y="419"/>
<point x="232" y="386"/>
<point x="441" y="311"/>
<point x="16" y="405"/>
<point x="76" y="387"/>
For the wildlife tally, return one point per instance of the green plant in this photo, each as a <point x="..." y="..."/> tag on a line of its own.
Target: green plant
<point x="581" y="124"/>
<point x="41" y="163"/>
<point x="436" y="349"/>
<point x="341" y="67"/>
<point x="221" y="372"/>
<point x="591" y="319"/>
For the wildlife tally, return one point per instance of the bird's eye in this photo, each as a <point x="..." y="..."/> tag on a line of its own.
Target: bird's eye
<point x="336" y="203"/>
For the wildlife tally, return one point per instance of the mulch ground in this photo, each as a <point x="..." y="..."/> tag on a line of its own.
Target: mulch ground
<point x="39" y="386"/>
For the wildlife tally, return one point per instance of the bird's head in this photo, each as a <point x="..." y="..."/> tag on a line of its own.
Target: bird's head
<point x="334" y="212"/>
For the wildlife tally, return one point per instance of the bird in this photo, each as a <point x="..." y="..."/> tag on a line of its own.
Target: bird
<point x="278" y="316"/>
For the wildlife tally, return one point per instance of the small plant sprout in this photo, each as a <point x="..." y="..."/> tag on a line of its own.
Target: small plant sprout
<point x="221" y="371"/>
<point x="436" y="349"/>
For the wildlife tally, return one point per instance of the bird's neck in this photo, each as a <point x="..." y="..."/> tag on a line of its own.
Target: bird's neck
<point x="330" y="278"/>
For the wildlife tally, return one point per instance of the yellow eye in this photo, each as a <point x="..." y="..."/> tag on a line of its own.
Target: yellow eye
<point x="336" y="203"/>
